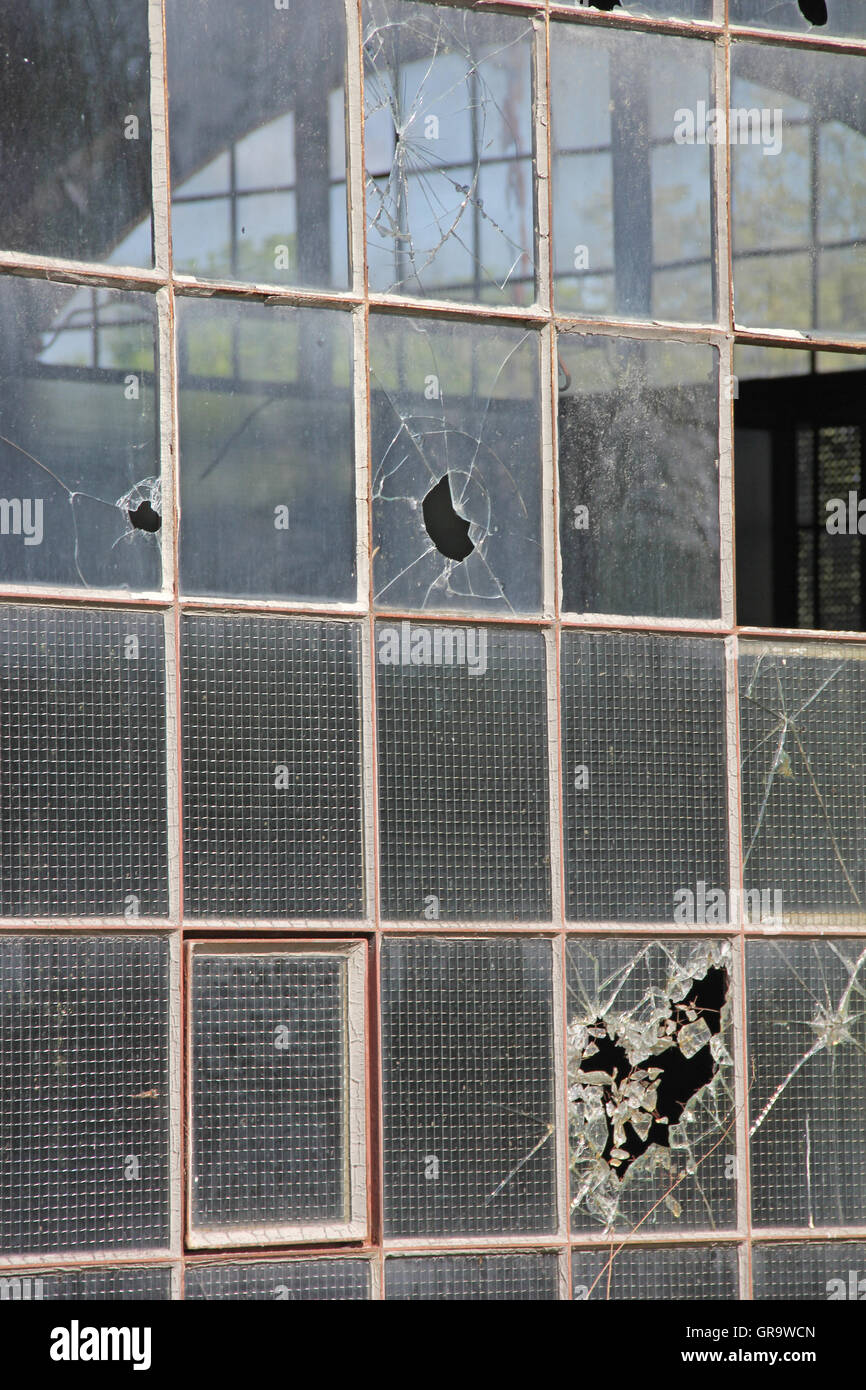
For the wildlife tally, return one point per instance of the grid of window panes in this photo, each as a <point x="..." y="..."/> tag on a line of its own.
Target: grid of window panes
<point x="432" y="500"/>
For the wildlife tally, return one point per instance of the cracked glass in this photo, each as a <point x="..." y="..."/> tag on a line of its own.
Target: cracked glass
<point x="813" y="1271"/>
<point x="846" y="18"/>
<point x="807" y="1082"/>
<point x="631" y="191"/>
<point x="259" y="171"/>
<point x="638" y="475"/>
<point x="266" y="451"/>
<point x="448" y="138"/>
<point x="658" y="9"/>
<point x="456" y="446"/>
<point x="80" y="491"/>
<point x="706" y="1272"/>
<point x="798" y="188"/>
<point x="803" y="752"/>
<point x="75" y="130"/>
<point x="650" y="1084"/>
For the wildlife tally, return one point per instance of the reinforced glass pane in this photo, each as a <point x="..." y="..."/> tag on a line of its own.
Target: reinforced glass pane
<point x="807" y="1102"/>
<point x="473" y="1278"/>
<point x="812" y="1271"/>
<point x="123" y="1284"/>
<point x="272" y="768"/>
<point x="309" y="1281"/>
<point x="468" y="1102"/>
<point x="650" y="1073"/>
<point x="463" y="782"/>
<point x="705" y="1272"/>
<point x="645" y="806"/>
<point x="83" y="802"/>
<point x="84" y="1104"/>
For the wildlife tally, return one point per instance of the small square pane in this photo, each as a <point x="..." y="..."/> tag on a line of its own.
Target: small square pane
<point x="307" y="1281"/>
<point x="475" y="1155"/>
<point x="639" y="476"/>
<point x="266" y="451"/>
<point x="529" y="1277"/>
<point x="663" y="1274"/>
<point x="812" y="1271"/>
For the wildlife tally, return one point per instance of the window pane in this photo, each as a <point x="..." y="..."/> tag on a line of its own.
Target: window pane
<point x="286" y="1280"/>
<point x="80" y="495"/>
<point x="705" y="1272"/>
<point x="817" y="17"/>
<point x="120" y="1284"/>
<point x="449" y="153"/>
<point x="638" y="476"/>
<point x="267" y="453"/>
<point x="812" y="1271"/>
<point x="253" y="168"/>
<point x="456" y="447"/>
<point x="473" y="1278"/>
<point x="660" y="9"/>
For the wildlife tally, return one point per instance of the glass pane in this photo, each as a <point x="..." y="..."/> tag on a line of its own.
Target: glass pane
<point x="638" y="476"/>
<point x="119" y="1284"/>
<point x="631" y="179"/>
<point x="705" y="1272"/>
<point x="463" y="779"/>
<point x="84" y="1073"/>
<point x="475" y="1155"/>
<point x="267" y="451"/>
<point x="650" y="1084"/>
<point x="659" y="9"/>
<point x="456" y="447"/>
<point x="818" y="17"/>
<point x="798" y="189"/>
<point x="449" y="153"/>
<point x="80" y="496"/>
<point x="75" y="130"/>
<point x="308" y="1281"/>
<point x="807" y="1102"/>
<point x="258" y="173"/>
<point x="83" y="801"/>
<point x="812" y="1271"/>
<point x="473" y="1278"/>
<point x="644" y="780"/>
<point x="272" y="768"/>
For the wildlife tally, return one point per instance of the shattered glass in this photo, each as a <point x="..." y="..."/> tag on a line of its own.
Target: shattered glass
<point x="807" y="1095"/>
<point x="266" y="451"/>
<point x="632" y="199"/>
<point x="822" y="18"/>
<point x="803" y="754"/>
<point x="658" y="9"/>
<point x="650" y="1084"/>
<point x="80" y="495"/>
<point x="814" y="1271"/>
<point x="798" y="188"/>
<point x="661" y="1273"/>
<point x="456" y="447"/>
<point x="448" y="134"/>
<point x="638" y="473"/>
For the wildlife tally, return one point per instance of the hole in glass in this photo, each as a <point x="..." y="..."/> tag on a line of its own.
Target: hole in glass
<point x="447" y="529"/>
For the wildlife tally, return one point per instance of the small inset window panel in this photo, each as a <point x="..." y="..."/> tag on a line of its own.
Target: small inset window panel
<point x="468" y="1086"/>
<point x="644" y="778"/>
<point x="117" y="1284"/>
<point x="532" y="1276"/>
<point x="276" y="1105"/>
<point x="281" y="1280"/>
<point x="84" y="1081"/>
<point x="807" y="1083"/>
<point x="811" y="1271"/>
<point x="665" y="1274"/>
<point x="271" y="768"/>
<point x="463" y="773"/>
<point x="803" y="754"/>
<point x="650" y="1084"/>
<point x="83" y="802"/>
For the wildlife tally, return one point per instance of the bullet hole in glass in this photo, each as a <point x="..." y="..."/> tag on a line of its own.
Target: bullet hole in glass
<point x="144" y="518"/>
<point x="447" y="529"/>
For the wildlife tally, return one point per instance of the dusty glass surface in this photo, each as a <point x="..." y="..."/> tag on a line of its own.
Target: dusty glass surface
<point x="631" y="180"/>
<point x="303" y="1281"/>
<point x="798" y="188"/>
<point x="638" y="476"/>
<point x="258" y="144"/>
<point x="448" y="134"/>
<point x="456" y="450"/>
<point x="659" y="9"/>
<point x="818" y="17"/>
<point x="803" y="754"/>
<point x="266" y="451"/>
<point x="650" y="1084"/>
<point x="75" y="130"/>
<point x="813" y="1270"/>
<point x="663" y="1274"/>
<point x="807" y="1082"/>
<point x="80" y="499"/>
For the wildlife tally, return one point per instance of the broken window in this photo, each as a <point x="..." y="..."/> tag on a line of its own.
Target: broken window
<point x="477" y="1157"/>
<point x="272" y="767"/>
<point x="803" y="751"/>
<point x="456" y="448"/>
<point x="448" y="136"/>
<point x="663" y="9"/>
<point x="638" y="476"/>
<point x="812" y="1271"/>
<point x="309" y="1281"/>
<point x="798" y="153"/>
<point x="662" y="1273"/>
<point x="267" y="459"/>
<point x="644" y="798"/>
<point x="463" y="776"/>
<point x="631" y="198"/>
<point x="807" y="1084"/>
<point x="844" y="17"/>
<point x="650" y="1084"/>
<point x="259" y="174"/>
<point x="80" y="492"/>
<point x="529" y="1276"/>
